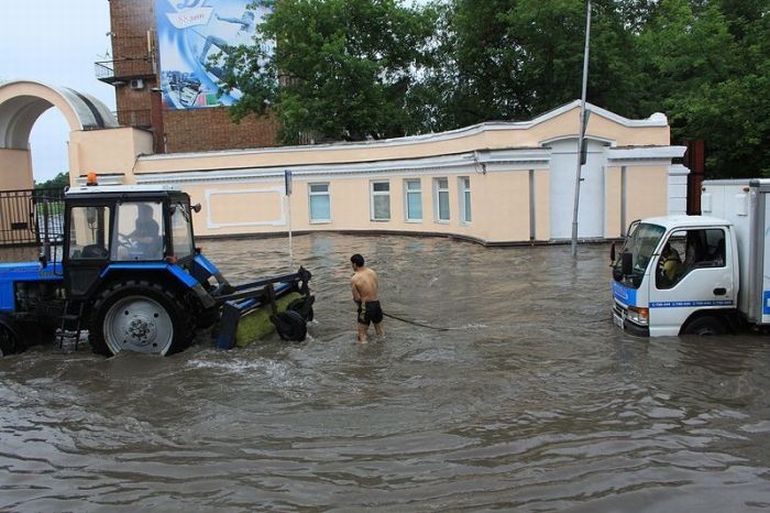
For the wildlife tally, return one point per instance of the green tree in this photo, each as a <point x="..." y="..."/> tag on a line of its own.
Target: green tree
<point x="513" y="59"/>
<point x="345" y="68"/>
<point x="708" y="68"/>
<point x="59" y="181"/>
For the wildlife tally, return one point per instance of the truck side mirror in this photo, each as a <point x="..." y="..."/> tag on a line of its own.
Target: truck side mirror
<point x="196" y="208"/>
<point x="612" y="254"/>
<point x="628" y="263"/>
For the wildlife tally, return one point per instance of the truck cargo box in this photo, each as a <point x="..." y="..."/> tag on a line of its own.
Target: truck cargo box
<point x="744" y="203"/>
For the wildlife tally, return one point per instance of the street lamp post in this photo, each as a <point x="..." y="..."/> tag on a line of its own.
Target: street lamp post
<point x="583" y="123"/>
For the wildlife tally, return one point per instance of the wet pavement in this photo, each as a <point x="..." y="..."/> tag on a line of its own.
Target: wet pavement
<point x="532" y="402"/>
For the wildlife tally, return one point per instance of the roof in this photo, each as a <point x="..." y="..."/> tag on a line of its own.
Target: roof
<point x="680" y="221"/>
<point x="120" y="189"/>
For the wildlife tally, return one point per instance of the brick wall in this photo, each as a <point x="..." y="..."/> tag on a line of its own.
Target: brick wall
<point x="180" y="130"/>
<point x="211" y="129"/>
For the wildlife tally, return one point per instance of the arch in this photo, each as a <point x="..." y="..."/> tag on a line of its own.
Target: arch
<point x="23" y="101"/>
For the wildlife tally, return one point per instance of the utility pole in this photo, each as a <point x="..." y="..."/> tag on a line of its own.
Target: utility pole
<point x="583" y="123"/>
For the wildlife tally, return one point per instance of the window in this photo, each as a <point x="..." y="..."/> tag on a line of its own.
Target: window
<point x="181" y="230"/>
<point x="320" y="203"/>
<point x="139" y="231"/>
<point x="89" y="233"/>
<point x="441" y="195"/>
<point x="413" y="201"/>
<point x="465" y="199"/>
<point x="380" y="201"/>
<point x="701" y="249"/>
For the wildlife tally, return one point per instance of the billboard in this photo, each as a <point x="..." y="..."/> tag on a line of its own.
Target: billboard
<point x="192" y="37"/>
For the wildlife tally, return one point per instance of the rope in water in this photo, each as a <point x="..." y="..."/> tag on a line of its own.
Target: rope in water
<point x="415" y="323"/>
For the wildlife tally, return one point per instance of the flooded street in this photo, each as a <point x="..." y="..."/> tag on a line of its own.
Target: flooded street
<point x="531" y="402"/>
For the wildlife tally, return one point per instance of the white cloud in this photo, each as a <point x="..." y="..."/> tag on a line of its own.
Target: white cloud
<point x="55" y="42"/>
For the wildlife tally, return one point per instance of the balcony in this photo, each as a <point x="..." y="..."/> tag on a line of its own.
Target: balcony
<point x="122" y="70"/>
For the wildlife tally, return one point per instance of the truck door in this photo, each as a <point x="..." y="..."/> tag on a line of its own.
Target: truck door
<point x="692" y="273"/>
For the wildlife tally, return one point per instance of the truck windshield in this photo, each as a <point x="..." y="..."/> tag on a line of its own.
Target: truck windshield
<point x="641" y="244"/>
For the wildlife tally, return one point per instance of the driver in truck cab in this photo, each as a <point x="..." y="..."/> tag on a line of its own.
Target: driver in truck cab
<point x="669" y="266"/>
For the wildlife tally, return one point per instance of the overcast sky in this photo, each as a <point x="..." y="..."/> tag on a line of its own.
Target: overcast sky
<point x="56" y="42"/>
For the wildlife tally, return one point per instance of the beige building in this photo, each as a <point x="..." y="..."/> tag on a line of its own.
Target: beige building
<point x="495" y="183"/>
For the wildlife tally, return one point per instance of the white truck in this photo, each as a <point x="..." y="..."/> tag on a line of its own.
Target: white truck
<point x="701" y="275"/>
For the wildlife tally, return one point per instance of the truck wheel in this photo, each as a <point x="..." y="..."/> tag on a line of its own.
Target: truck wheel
<point x="705" y="326"/>
<point x="141" y="317"/>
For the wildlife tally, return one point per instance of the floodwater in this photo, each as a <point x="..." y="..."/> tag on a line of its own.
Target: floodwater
<point x="532" y="402"/>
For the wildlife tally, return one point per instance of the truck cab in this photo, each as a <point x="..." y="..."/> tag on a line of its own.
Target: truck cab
<point x="676" y="275"/>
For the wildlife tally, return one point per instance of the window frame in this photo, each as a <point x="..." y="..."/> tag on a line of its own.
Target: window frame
<point x="372" y="195"/>
<point x="464" y="188"/>
<point x="107" y="227"/>
<point x="437" y="194"/>
<point x="311" y="194"/>
<point x="407" y="192"/>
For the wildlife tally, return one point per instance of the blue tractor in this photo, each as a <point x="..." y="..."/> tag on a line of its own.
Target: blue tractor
<point x="120" y="262"/>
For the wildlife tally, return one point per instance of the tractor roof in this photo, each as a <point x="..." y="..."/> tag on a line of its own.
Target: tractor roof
<point x="125" y="191"/>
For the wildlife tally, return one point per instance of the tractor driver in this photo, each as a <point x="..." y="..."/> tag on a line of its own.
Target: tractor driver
<point x="146" y="234"/>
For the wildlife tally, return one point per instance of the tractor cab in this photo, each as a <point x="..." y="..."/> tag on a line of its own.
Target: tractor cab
<point x="123" y="225"/>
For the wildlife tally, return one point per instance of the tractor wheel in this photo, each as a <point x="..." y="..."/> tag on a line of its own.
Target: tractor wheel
<point x="139" y="316"/>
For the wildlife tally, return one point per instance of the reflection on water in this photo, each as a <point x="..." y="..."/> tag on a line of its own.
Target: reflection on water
<point x="534" y="403"/>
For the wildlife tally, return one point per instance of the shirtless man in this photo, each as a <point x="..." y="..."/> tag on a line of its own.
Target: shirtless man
<point x="365" y="284"/>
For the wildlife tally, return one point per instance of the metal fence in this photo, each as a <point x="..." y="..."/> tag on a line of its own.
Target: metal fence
<point x="31" y="216"/>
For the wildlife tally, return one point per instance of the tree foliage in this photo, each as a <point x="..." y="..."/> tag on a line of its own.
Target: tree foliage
<point x="59" y="182"/>
<point x="344" y="67"/>
<point x="359" y="69"/>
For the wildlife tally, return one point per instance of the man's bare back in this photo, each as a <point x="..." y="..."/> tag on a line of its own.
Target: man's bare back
<point x="365" y="285"/>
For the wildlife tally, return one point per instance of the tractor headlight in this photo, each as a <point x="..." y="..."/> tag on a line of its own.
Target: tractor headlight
<point x="637" y="315"/>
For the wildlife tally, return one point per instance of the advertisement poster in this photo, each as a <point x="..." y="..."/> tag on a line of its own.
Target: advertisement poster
<point x="192" y="37"/>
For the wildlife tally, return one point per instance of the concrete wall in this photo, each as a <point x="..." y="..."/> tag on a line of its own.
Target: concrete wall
<point x="15" y="169"/>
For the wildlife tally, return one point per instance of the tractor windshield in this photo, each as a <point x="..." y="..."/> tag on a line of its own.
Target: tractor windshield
<point x="641" y="244"/>
<point x="139" y="231"/>
<point x="181" y="230"/>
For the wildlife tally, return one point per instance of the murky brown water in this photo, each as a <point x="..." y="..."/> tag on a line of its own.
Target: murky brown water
<point x="537" y="403"/>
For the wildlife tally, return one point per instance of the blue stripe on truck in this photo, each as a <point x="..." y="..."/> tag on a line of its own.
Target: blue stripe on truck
<point x="685" y="304"/>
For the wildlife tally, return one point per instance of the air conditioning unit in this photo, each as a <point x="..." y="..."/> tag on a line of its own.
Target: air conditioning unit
<point x="136" y="83"/>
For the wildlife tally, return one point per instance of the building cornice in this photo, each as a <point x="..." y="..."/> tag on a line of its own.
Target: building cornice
<point x="655" y="120"/>
<point x="470" y="162"/>
<point x="646" y="153"/>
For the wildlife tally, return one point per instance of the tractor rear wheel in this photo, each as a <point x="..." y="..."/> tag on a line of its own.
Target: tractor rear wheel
<point x="139" y="316"/>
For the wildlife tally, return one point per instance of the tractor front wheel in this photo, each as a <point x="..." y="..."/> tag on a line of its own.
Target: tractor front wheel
<point x="139" y="316"/>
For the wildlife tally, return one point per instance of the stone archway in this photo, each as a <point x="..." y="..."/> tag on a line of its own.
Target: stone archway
<point x="21" y="104"/>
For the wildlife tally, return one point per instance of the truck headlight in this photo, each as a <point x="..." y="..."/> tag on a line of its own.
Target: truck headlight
<point x="637" y="315"/>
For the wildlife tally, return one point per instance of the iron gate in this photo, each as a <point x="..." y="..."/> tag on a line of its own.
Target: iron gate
<point x="30" y="216"/>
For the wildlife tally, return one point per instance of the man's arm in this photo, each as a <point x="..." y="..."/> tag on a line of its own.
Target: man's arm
<point x="356" y="295"/>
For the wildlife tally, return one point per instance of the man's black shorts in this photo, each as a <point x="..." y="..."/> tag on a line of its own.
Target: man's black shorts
<point x="370" y="312"/>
